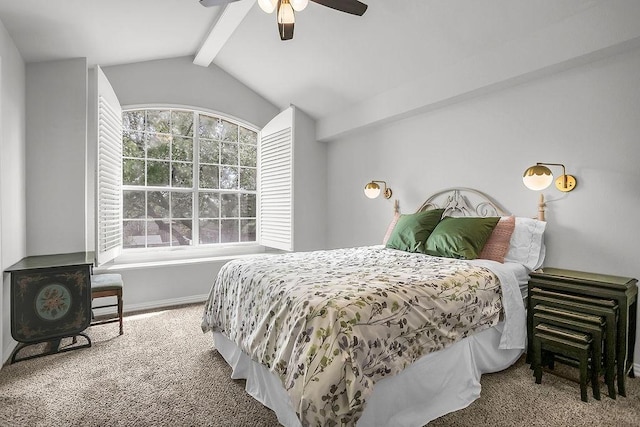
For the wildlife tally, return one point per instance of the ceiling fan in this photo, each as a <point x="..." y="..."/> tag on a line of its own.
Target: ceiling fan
<point x="286" y="8"/>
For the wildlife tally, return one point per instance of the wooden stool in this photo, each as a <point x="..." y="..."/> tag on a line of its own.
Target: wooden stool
<point x="572" y="345"/>
<point x="107" y="285"/>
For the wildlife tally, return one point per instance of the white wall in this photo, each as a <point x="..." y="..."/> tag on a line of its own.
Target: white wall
<point x="12" y="174"/>
<point x="56" y="104"/>
<point x="585" y="117"/>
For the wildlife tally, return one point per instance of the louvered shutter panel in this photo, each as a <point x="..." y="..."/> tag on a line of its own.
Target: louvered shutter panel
<point x="109" y="172"/>
<point x="276" y="182"/>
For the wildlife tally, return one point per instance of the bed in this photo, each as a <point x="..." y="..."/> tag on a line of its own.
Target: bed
<point x="394" y="334"/>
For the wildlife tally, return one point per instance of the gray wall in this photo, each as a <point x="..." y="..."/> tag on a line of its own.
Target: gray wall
<point x="56" y="151"/>
<point x="12" y="174"/>
<point x="310" y="186"/>
<point x="178" y="81"/>
<point x="585" y="117"/>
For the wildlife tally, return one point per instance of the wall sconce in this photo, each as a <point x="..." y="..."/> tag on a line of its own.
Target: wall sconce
<point x="539" y="177"/>
<point x="372" y="190"/>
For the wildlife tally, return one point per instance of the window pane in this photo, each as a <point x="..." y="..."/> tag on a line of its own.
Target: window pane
<point x="247" y="205"/>
<point x="209" y="151"/>
<point x="133" y="144"/>
<point x="182" y="149"/>
<point x="248" y="179"/>
<point x="229" y="207"/>
<point x="158" y="233"/>
<point x="181" y="205"/>
<point x="181" y="233"/>
<point x="182" y="123"/>
<point x="133" y="234"/>
<point x="209" y="205"/>
<point x="158" y="146"/>
<point x="209" y="231"/>
<point x="182" y="175"/>
<point x="248" y="136"/>
<point x="158" y="121"/>
<point x="133" y="204"/>
<point x="207" y="128"/>
<point x="209" y="177"/>
<point x="133" y="120"/>
<point x="229" y="154"/>
<point x="248" y="155"/>
<point x="229" y="230"/>
<point x="228" y="178"/>
<point x="160" y="150"/>
<point x="157" y="173"/>
<point x="158" y="204"/>
<point x="248" y="230"/>
<point x="133" y="172"/>
<point x="228" y="131"/>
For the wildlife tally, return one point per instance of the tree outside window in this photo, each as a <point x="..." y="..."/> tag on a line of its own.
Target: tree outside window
<point x="189" y="179"/>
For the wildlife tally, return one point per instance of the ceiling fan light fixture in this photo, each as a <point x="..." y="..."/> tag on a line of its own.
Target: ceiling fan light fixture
<point x="286" y="19"/>
<point x="268" y="5"/>
<point x="285" y="13"/>
<point x="299" y="5"/>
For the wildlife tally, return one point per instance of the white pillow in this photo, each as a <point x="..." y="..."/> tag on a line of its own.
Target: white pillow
<point x="527" y="245"/>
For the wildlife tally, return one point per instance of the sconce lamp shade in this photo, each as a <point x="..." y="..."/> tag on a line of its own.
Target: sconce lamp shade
<point x="537" y="177"/>
<point x="372" y="190"/>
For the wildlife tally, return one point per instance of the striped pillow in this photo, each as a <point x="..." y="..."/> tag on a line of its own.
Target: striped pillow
<point x="497" y="245"/>
<point x="392" y="225"/>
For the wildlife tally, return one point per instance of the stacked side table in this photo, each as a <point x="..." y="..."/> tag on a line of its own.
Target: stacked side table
<point x="612" y="299"/>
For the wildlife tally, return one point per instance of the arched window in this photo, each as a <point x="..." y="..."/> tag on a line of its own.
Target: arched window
<point x="189" y="179"/>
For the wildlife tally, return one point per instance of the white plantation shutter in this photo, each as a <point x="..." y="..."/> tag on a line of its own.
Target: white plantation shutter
<point x="109" y="172"/>
<point x="276" y="182"/>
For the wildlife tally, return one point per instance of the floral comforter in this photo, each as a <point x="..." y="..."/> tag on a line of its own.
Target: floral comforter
<point x="330" y="324"/>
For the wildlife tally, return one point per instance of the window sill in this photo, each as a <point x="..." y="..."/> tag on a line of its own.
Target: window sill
<point x="164" y="258"/>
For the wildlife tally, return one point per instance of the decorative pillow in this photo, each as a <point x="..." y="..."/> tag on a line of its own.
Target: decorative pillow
<point x="460" y="237"/>
<point x="498" y="243"/>
<point x="411" y="231"/>
<point x="527" y="245"/>
<point x="392" y="225"/>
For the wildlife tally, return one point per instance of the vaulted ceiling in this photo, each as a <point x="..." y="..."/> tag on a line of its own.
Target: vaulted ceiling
<point x="346" y="71"/>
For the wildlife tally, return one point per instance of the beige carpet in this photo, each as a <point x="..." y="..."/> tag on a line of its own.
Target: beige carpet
<point x="164" y="372"/>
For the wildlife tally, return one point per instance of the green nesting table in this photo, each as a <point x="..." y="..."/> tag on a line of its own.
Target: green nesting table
<point x="602" y="290"/>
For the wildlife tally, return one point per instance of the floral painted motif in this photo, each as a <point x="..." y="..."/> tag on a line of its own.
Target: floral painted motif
<point x="53" y="302"/>
<point x="330" y="324"/>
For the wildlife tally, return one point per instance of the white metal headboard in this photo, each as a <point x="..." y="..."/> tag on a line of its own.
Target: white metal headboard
<point x="462" y="201"/>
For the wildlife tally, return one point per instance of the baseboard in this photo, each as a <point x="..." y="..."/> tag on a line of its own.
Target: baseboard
<point x="6" y="353"/>
<point x="636" y="369"/>
<point x="153" y="305"/>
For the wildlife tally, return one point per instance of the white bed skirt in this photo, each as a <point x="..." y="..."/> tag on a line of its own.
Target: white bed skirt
<point x="435" y="385"/>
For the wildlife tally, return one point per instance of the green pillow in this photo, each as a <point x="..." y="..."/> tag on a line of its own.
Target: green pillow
<point x="460" y="237"/>
<point x="411" y="231"/>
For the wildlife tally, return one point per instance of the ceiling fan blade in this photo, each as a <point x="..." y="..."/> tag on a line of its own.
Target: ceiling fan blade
<point x="209" y="3"/>
<point x="353" y="7"/>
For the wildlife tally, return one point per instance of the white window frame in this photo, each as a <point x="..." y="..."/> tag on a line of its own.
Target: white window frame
<point x="134" y="258"/>
<point x="196" y="251"/>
